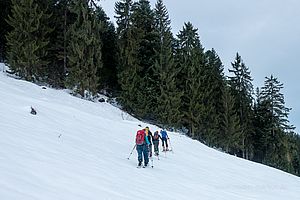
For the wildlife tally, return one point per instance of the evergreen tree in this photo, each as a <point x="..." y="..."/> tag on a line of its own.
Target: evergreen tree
<point x="291" y="152"/>
<point x="5" y="11"/>
<point x="128" y="71"/>
<point x="271" y="94"/>
<point x="191" y="61"/>
<point x="28" y="41"/>
<point x="275" y="116"/>
<point x="261" y="124"/>
<point x="294" y="152"/>
<point x="123" y="10"/>
<point x="242" y="89"/>
<point x="137" y="47"/>
<point x="147" y="39"/>
<point x="84" y="52"/>
<point x="108" y="73"/>
<point x="61" y="20"/>
<point x="230" y="124"/>
<point x="167" y="94"/>
<point x="214" y="82"/>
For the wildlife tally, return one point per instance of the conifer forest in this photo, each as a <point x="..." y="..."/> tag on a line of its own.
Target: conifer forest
<point x="167" y="79"/>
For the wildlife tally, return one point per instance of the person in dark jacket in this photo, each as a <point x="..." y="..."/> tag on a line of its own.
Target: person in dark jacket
<point x="155" y="140"/>
<point x="149" y="137"/>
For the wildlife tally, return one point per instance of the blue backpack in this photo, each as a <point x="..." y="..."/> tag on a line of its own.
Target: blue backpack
<point x="163" y="134"/>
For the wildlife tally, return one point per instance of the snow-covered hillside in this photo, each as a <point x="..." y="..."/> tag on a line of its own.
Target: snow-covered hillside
<point x="77" y="150"/>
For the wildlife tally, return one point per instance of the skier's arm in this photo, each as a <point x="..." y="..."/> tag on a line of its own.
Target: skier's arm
<point x="167" y="135"/>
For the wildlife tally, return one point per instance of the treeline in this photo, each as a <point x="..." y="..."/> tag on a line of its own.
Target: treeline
<point x="169" y="80"/>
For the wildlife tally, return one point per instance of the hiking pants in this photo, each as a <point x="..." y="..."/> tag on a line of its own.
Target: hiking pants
<point x="150" y="150"/>
<point x="142" y="151"/>
<point x="155" y="143"/>
<point x="164" y="140"/>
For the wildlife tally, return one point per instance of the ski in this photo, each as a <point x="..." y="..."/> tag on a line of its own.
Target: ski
<point x="147" y="166"/>
<point x="143" y="166"/>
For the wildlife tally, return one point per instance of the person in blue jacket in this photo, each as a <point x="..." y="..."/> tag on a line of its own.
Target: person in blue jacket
<point x="164" y="139"/>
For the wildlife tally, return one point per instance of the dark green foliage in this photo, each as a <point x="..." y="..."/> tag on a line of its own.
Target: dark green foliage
<point x="261" y="124"/>
<point x="84" y="50"/>
<point x="191" y="61"/>
<point x="5" y="11"/>
<point x="147" y="40"/>
<point x="28" y="41"/>
<point x="123" y="10"/>
<point x="108" y="73"/>
<point x="165" y="72"/>
<point x="61" y="19"/>
<point x="138" y="41"/>
<point x="128" y="71"/>
<point x="171" y="81"/>
<point x="214" y="81"/>
<point x="272" y="126"/>
<point x="229" y="124"/>
<point x="242" y="90"/>
<point x="271" y="96"/>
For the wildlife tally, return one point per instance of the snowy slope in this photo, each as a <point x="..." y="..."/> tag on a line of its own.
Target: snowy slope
<point x="77" y="150"/>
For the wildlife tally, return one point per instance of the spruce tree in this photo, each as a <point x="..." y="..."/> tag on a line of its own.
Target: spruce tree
<point x="191" y="61"/>
<point x="5" y="11"/>
<point x="128" y="70"/>
<point x="271" y="93"/>
<point x="167" y="94"/>
<point x="108" y="80"/>
<point x="214" y="84"/>
<point x="261" y="124"/>
<point x="84" y="51"/>
<point x="123" y="10"/>
<point x="272" y="101"/>
<point x="61" y="20"/>
<point x="242" y="89"/>
<point x="28" y="41"/>
<point x="137" y="47"/>
<point x="229" y="124"/>
<point x="147" y="40"/>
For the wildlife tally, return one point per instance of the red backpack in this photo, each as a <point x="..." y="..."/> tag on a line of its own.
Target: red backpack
<point x="140" y="137"/>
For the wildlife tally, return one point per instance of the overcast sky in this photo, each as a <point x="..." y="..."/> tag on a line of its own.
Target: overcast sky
<point x="266" y="33"/>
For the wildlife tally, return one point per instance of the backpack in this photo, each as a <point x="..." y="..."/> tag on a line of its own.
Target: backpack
<point x="155" y="136"/>
<point x="140" y="137"/>
<point x="163" y="134"/>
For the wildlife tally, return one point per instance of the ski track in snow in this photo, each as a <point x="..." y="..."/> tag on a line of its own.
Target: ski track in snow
<point x="77" y="150"/>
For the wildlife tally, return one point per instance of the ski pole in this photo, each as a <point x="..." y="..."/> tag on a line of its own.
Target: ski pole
<point x="150" y="154"/>
<point x="151" y="161"/>
<point x="170" y="145"/>
<point x="131" y="152"/>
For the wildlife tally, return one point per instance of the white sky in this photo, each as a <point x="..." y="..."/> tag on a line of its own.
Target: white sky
<point x="266" y="33"/>
<point x="77" y="150"/>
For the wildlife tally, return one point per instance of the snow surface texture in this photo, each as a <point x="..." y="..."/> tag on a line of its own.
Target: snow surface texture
<point x="77" y="150"/>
